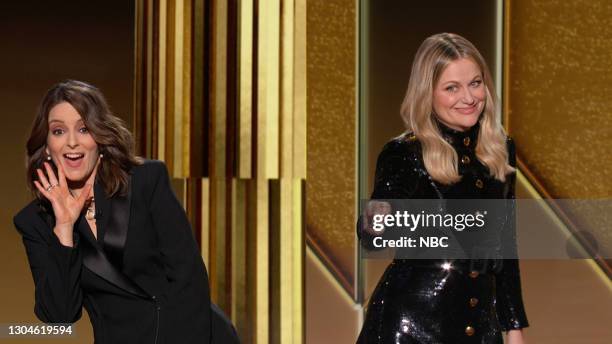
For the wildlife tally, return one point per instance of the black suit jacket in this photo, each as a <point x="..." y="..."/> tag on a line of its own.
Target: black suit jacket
<point x="142" y="280"/>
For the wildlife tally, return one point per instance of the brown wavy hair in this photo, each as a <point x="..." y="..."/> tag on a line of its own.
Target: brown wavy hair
<point x="109" y="132"/>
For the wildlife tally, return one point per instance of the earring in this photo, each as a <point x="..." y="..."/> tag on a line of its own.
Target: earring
<point x="48" y="157"/>
<point x="101" y="155"/>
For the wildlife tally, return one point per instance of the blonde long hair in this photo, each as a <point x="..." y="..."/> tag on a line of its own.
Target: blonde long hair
<point x="440" y="159"/>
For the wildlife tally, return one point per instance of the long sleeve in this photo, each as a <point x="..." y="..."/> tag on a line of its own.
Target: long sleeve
<point x="188" y="296"/>
<point x="396" y="178"/>
<point x="510" y="309"/>
<point x="56" y="270"/>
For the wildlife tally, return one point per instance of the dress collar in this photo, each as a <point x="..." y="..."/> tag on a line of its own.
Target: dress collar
<point x="457" y="139"/>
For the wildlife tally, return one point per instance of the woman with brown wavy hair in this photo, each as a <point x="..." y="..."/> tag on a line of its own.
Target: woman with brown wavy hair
<point x="455" y="148"/>
<point x="106" y="232"/>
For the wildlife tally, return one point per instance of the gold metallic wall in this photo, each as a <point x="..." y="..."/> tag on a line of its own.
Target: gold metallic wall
<point x="332" y="136"/>
<point x="557" y="99"/>
<point x="222" y="90"/>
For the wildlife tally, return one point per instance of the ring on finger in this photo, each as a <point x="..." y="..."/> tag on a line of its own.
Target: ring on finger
<point x="51" y="186"/>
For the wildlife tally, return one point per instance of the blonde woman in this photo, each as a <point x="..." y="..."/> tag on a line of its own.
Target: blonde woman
<point x="455" y="147"/>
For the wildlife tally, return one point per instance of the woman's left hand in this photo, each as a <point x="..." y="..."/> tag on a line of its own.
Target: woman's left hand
<point x="516" y="337"/>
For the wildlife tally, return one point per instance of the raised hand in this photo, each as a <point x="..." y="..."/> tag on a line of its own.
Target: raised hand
<point x="66" y="207"/>
<point x="374" y="207"/>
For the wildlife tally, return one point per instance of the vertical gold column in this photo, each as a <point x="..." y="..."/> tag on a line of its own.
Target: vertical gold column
<point x="297" y="242"/>
<point x="151" y="79"/>
<point x="268" y="59"/>
<point x="297" y="245"/>
<point x="218" y="242"/>
<point x="175" y="85"/>
<point x="290" y="283"/>
<point x="299" y="90"/>
<point x="186" y="90"/>
<point x="219" y="225"/>
<point x="245" y="85"/>
<point x="287" y="67"/>
<point x="169" y="92"/>
<point x="262" y="291"/>
<point x="140" y="86"/>
<point x="240" y="225"/>
<point x="178" y="34"/>
<point x="198" y="140"/>
<point x="205" y="220"/>
<point x="291" y="140"/>
<point x="161" y="89"/>
<point x="285" y="250"/>
<point x="219" y="86"/>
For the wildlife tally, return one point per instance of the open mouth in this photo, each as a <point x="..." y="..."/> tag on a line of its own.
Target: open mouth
<point x="74" y="159"/>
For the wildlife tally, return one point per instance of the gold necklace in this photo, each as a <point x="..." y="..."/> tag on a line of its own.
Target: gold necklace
<point x="90" y="213"/>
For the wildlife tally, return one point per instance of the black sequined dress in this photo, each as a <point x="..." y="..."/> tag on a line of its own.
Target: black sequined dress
<point x="442" y="301"/>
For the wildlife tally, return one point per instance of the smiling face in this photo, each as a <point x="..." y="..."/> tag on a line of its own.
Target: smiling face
<point x="459" y="95"/>
<point x="70" y="144"/>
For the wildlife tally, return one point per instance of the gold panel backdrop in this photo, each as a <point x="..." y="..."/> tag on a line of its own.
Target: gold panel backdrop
<point x="557" y="93"/>
<point x="332" y="136"/>
<point x="221" y="89"/>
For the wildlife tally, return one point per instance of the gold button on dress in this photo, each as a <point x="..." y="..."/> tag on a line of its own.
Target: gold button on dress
<point x="473" y="302"/>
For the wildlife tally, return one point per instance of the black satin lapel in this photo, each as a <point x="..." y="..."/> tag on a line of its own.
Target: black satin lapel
<point x="115" y="232"/>
<point x="95" y="260"/>
<point x="103" y="211"/>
